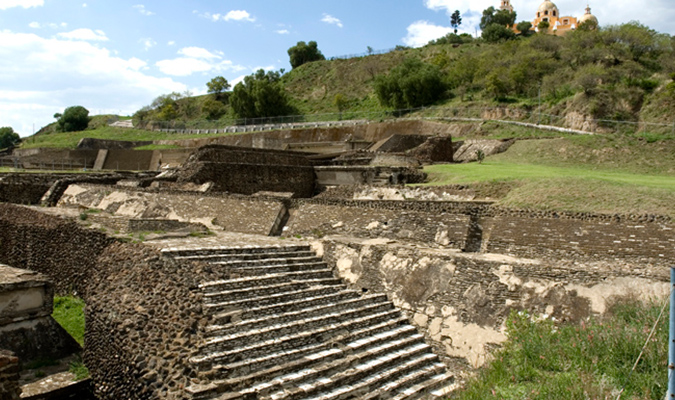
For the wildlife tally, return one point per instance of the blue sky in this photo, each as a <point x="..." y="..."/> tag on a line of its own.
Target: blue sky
<point x="117" y="56"/>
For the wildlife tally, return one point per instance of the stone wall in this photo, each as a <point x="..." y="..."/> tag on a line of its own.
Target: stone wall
<point x="589" y="237"/>
<point x="9" y="376"/>
<point x="248" y="171"/>
<point x="24" y="188"/>
<point x="231" y="213"/>
<point x="143" y="312"/>
<point x="321" y="219"/>
<point x="460" y="301"/>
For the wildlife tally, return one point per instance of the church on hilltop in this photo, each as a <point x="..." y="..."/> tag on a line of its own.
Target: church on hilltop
<point x="558" y="24"/>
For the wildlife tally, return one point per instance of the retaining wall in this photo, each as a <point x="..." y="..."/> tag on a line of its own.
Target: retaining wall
<point x="143" y="313"/>
<point x="460" y="301"/>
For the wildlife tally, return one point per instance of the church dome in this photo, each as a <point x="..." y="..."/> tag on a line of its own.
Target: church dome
<point x="588" y="17"/>
<point x="547" y="6"/>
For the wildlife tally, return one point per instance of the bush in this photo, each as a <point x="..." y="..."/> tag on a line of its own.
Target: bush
<point x="303" y="53"/>
<point x="260" y="95"/>
<point x="411" y="84"/>
<point x="73" y="119"/>
<point x="497" y="33"/>
<point x="8" y="137"/>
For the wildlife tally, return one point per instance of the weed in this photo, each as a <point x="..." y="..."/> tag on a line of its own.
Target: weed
<point x="78" y="369"/>
<point x="69" y="313"/>
<point x="83" y="216"/>
<point x="40" y="374"/>
<point x="40" y="363"/>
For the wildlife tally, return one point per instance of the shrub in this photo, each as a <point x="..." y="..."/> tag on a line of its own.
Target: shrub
<point x="411" y="84"/>
<point x="73" y="119"/>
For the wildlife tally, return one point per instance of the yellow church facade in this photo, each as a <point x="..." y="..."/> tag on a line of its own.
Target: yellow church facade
<point x="558" y="24"/>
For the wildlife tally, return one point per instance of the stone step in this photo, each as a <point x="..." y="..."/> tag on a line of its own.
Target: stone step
<point x="261" y="334"/>
<point x="302" y="313"/>
<point x="269" y="366"/>
<point x="341" y="361"/>
<point x="213" y="306"/>
<point x="245" y="256"/>
<point x="177" y="252"/>
<point x="437" y="387"/>
<point x="418" y="379"/>
<point x="257" y="291"/>
<point x="265" y="280"/>
<point x="273" y="269"/>
<point x="364" y="378"/>
<point x="267" y="262"/>
<point x="241" y="314"/>
<point x="303" y="338"/>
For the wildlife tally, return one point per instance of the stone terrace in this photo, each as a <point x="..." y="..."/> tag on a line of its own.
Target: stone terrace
<point x="286" y="328"/>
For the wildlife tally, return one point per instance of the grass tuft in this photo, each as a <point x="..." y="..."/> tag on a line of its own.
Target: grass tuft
<point x="69" y="313"/>
<point x="544" y="359"/>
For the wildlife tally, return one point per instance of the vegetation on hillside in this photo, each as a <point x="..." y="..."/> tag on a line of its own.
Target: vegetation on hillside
<point x="546" y="359"/>
<point x="69" y="313"/>
<point x="8" y="137"/>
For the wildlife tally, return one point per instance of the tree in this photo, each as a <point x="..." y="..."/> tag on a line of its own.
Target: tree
<point x="341" y="103"/>
<point x="543" y="26"/>
<point x="75" y="118"/>
<point x="303" y="53"/>
<point x="213" y="109"/>
<point x="524" y="27"/>
<point x="217" y="86"/>
<point x="455" y="20"/>
<point x="8" y="137"/>
<point x="370" y="50"/>
<point x="496" y="33"/>
<point x="260" y="95"/>
<point x="411" y="84"/>
<point x="491" y="16"/>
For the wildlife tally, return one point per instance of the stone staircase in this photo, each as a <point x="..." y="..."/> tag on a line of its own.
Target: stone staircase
<point x="288" y="329"/>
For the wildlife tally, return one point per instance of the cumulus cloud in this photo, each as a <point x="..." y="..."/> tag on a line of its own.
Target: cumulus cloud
<point x="282" y="31"/>
<point x="141" y="9"/>
<point x="329" y="19"/>
<point x="5" y="4"/>
<point x="421" y="32"/>
<point x="34" y="25"/>
<point x="84" y="34"/>
<point x="234" y="15"/>
<point x="41" y="76"/>
<point x="197" y="52"/>
<point x="171" y="43"/>
<point x="196" y="60"/>
<point x="238" y="15"/>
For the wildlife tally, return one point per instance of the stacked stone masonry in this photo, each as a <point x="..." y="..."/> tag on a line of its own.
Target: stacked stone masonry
<point x="9" y="376"/>
<point x="288" y="329"/>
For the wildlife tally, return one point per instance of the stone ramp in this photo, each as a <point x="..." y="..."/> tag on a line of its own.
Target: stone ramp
<point x="285" y="328"/>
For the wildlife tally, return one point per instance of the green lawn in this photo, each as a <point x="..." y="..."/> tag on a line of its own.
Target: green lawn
<point x="71" y="139"/>
<point x="581" y="189"/>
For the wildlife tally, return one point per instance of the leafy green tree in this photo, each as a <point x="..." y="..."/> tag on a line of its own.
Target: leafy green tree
<point x="492" y="16"/>
<point x="260" y="95"/>
<point x="8" y="137"/>
<point x="341" y="103"/>
<point x="543" y="26"/>
<point x="497" y="33"/>
<point x="303" y="53"/>
<point x="217" y="86"/>
<point x="411" y="84"/>
<point x="213" y="109"/>
<point x="524" y="27"/>
<point x="455" y="20"/>
<point x="75" y="118"/>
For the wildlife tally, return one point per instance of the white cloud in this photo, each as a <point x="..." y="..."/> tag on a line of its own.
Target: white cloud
<point x="196" y="60"/>
<point x="236" y="80"/>
<point x="41" y="76"/>
<point x="84" y="34"/>
<point x="147" y="43"/>
<point x="141" y="9"/>
<point x="421" y="32"/>
<point x="197" y="52"/>
<point x="37" y="25"/>
<point x="171" y="43"/>
<point x="34" y="25"/>
<point x="238" y="15"/>
<point x="282" y="31"/>
<point x="329" y="19"/>
<point x="5" y="4"/>
<point x="84" y="5"/>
